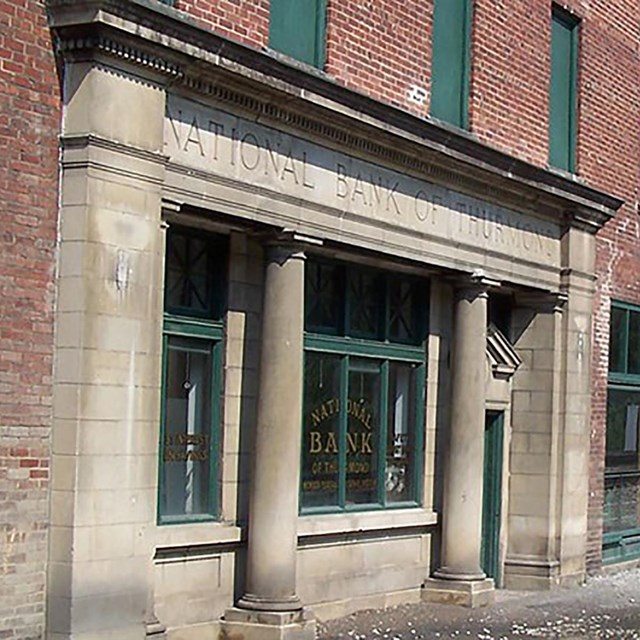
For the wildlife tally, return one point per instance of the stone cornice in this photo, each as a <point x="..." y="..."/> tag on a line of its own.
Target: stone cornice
<point x="174" y="49"/>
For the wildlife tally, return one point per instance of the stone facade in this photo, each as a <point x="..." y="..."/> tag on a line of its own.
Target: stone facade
<point x="177" y="120"/>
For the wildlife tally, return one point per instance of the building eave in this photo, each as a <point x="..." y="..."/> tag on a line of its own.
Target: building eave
<point x="169" y="42"/>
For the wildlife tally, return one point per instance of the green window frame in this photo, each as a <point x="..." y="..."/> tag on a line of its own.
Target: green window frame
<point x="621" y="506"/>
<point x="297" y="28"/>
<point x="451" y="61"/>
<point x="192" y="356"/>
<point x="364" y="398"/>
<point x="563" y="89"/>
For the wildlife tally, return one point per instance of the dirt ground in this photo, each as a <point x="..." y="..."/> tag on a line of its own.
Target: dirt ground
<point x="605" y="607"/>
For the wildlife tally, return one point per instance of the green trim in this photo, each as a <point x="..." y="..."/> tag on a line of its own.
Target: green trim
<point x="563" y="88"/>
<point x="297" y="28"/>
<point x="342" y="436"/>
<point x="364" y="348"/>
<point x="451" y="61"/>
<point x="492" y="493"/>
<point x="191" y="327"/>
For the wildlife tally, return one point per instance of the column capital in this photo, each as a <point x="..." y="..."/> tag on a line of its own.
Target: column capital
<point x="476" y="283"/>
<point x="288" y="240"/>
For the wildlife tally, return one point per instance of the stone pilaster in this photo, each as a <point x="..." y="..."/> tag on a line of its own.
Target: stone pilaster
<point x="270" y="607"/>
<point x="460" y="579"/>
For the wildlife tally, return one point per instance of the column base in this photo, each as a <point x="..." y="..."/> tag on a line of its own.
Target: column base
<point x="155" y="630"/>
<point x="472" y="594"/>
<point x="267" y="625"/>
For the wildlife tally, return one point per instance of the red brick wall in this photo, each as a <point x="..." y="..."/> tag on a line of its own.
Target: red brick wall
<point x="29" y="125"/>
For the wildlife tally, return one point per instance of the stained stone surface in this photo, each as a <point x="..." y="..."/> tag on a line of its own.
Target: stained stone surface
<point x="605" y="607"/>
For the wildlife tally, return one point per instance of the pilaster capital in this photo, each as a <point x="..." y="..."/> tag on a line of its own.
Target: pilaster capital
<point x="549" y="301"/>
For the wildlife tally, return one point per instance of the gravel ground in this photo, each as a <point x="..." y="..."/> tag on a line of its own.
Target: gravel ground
<point x="605" y="607"/>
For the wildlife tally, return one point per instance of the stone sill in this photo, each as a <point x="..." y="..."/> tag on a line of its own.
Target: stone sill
<point x="338" y="523"/>
<point x="196" y="534"/>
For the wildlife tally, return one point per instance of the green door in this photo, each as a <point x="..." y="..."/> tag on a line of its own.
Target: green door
<point x="492" y="493"/>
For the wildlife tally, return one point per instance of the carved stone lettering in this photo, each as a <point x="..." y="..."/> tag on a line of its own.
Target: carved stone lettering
<point x="224" y="145"/>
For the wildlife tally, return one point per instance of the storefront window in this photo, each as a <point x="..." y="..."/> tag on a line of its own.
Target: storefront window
<point x="194" y="302"/>
<point x="364" y="388"/>
<point x="621" y="515"/>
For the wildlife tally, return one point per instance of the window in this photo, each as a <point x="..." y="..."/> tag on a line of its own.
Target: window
<point x="450" y="61"/>
<point x="297" y="28"/>
<point x="195" y="271"/>
<point x="563" y="89"/>
<point x="364" y="382"/>
<point x="622" y="472"/>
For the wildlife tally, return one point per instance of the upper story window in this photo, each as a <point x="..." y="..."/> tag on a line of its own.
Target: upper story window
<point x="363" y="417"/>
<point x="297" y="28"/>
<point x="563" y="87"/>
<point x="450" y="61"/>
<point x="195" y="282"/>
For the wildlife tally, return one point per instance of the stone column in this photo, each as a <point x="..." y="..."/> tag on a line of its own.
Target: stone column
<point x="270" y="607"/>
<point x="460" y="580"/>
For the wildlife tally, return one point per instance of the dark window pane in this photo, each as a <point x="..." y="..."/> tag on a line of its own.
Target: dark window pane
<point x="186" y="448"/>
<point x="403" y="320"/>
<point x="363" y="429"/>
<point x="194" y="283"/>
<point x="634" y="343"/>
<point x="617" y="346"/>
<point x="365" y="303"/>
<point x="401" y="430"/>
<point x="321" y="430"/>
<point x="623" y="415"/>
<point x="323" y="297"/>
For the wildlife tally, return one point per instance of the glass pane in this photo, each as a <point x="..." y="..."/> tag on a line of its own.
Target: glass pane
<point x="363" y="428"/>
<point x="634" y="342"/>
<point x="401" y="428"/>
<point x="621" y="501"/>
<point x="406" y="309"/>
<point x="321" y="428"/>
<point x="185" y="485"/>
<point x="365" y="303"/>
<point x="323" y="301"/>
<point x="617" y="345"/>
<point x="623" y="417"/>
<point x="195" y="276"/>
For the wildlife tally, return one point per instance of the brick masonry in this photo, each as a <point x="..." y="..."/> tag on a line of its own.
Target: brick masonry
<point x="29" y="126"/>
<point x="378" y="47"/>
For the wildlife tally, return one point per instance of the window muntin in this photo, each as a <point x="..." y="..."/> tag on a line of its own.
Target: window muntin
<point x="297" y="28"/>
<point x="364" y="390"/>
<point x="195" y="278"/>
<point x="563" y="88"/>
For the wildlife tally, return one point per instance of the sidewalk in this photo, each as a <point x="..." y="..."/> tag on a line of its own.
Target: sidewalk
<point x="605" y="607"/>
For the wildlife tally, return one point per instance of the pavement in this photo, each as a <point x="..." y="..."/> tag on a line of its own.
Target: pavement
<point x="604" y="607"/>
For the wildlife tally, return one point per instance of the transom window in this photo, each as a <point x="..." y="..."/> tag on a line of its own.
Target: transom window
<point x="195" y="277"/>
<point x="364" y="388"/>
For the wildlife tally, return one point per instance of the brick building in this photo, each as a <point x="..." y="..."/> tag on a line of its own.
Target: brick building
<point x="307" y="306"/>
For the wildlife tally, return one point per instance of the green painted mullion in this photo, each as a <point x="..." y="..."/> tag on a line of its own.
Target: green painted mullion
<point x="163" y="412"/>
<point x="382" y="430"/>
<point x="321" y="31"/>
<point x="364" y="348"/>
<point x="419" y="430"/>
<point x="625" y="342"/>
<point x="342" y="436"/>
<point x="215" y="482"/>
<point x="466" y="67"/>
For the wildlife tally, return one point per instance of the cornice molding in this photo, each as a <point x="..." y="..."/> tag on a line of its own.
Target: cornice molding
<point x="169" y="45"/>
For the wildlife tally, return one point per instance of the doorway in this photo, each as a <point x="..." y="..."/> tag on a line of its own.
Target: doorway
<point x="492" y="494"/>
